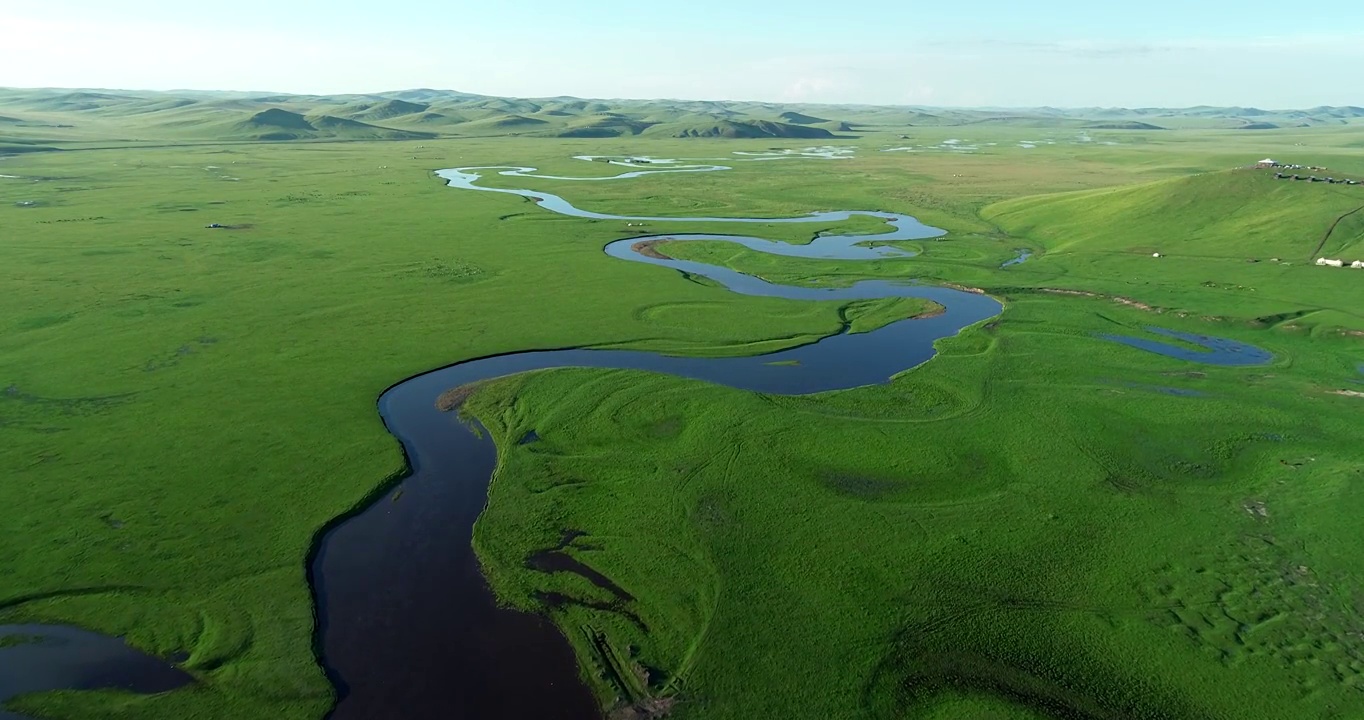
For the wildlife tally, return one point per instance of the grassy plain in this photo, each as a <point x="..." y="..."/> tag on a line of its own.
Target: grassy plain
<point x="1027" y="526"/>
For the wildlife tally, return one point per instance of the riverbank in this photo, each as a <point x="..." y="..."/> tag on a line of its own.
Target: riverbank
<point x="186" y="530"/>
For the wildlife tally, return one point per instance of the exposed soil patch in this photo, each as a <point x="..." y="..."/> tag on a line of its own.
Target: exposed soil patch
<point x="1348" y="393"/>
<point x="932" y="312"/>
<point x="646" y="710"/>
<point x="1115" y="298"/>
<point x="453" y="399"/>
<point x="1060" y="291"/>
<point x="1133" y="303"/>
<point x="649" y="249"/>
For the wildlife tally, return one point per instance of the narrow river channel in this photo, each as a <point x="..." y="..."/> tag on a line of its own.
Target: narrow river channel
<point x="407" y="625"/>
<point x="408" y="628"/>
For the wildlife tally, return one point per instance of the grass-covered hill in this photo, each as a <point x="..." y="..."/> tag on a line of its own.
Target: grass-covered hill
<point x="1236" y="214"/>
<point x="1124" y="125"/>
<point x="278" y="124"/>
<point x="740" y="129"/>
<point x="1238" y="243"/>
<point x="56" y="116"/>
<point x="796" y="118"/>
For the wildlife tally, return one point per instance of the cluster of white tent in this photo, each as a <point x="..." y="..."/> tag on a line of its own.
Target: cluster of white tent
<point x="1272" y="163"/>
<point x="1328" y="262"/>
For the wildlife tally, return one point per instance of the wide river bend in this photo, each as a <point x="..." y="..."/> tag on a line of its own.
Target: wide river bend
<point x="407" y="627"/>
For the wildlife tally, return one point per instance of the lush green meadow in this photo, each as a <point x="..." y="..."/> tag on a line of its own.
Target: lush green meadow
<point x="1030" y="525"/>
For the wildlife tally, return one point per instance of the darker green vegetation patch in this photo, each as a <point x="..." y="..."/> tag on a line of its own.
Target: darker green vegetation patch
<point x="8" y="641"/>
<point x="859" y="486"/>
<point x="932" y="664"/>
<point x="454" y="270"/>
<point x="46" y="320"/>
<point x="27" y="411"/>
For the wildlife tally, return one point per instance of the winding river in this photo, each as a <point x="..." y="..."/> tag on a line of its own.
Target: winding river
<point x="407" y="626"/>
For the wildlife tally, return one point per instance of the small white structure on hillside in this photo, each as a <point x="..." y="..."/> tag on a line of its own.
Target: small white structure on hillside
<point x="1155" y="255"/>
<point x="1267" y="163"/>
<point x="1357" y="265"/>
<point x="1327" y="262"/>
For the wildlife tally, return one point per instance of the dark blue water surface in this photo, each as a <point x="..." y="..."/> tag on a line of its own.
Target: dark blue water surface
<point x="57" y="657"/>
<point x="1216" y="351"/>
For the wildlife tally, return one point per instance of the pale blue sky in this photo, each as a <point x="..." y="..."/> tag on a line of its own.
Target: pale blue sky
<point x="961" y="53"/>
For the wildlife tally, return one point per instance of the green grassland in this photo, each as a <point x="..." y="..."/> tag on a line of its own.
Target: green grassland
<point x="1030" y="525"/>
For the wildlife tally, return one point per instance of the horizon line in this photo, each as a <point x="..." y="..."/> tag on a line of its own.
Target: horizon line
<point x="385" y="93"/>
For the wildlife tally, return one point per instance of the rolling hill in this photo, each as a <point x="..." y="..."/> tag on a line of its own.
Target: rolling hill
<point x="1235" y="214"/>
<point x="53" y="117"/>
<point x="1123" y="125"/>
<point x="796" y="118"/>
<point x="739" y="129"/>
<point x="280" y="125"/>
<point x="386" y="110"/>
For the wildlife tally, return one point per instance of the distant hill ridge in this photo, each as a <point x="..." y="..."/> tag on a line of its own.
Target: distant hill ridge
<point x="51" y="117"/>
<point x="1124" y="125"/>
<point x="280" y="124"/>
<point x="796" y="118"/>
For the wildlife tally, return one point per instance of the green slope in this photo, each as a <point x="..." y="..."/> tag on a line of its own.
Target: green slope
<point x="1234" y="245"/>
<point x="796" y="118"/>
<point x="1124" y="125"/>
<point x="278" y="124"/>
<point x="123" y="116"/>
<point x="502" y="124"/>
<point x="1235" y="214"/>
<point x="739" y="129"/>
<point x="603" y="125"/>
<point x="386" y="110"/>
